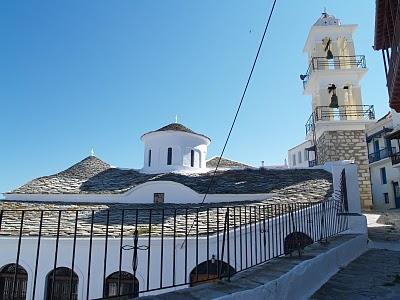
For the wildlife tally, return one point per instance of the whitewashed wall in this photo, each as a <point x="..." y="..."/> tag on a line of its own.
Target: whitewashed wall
<point x="174" y="193"/>
<point x="181" y="143"/>
<point x="277" y="228"/>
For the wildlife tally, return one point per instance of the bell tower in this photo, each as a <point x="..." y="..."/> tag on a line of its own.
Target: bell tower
<point x="336" y="127"/>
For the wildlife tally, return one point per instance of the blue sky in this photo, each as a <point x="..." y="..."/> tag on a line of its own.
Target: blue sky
<point x="81" y="74"/>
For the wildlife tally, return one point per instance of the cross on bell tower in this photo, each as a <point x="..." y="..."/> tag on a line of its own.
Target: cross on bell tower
<point x="336" y="127"/>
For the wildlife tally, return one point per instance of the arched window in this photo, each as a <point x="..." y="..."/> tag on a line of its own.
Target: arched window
<point x="7" y="276"/>
<point x="127" y="283"/>
<point x="149" y="157"/>
<point x="296" y="241"/>
<point x="210" y="270"/>
<point x="192" y="158"/>
<point x="61" y="284"/>
<point x="169" y="156"/>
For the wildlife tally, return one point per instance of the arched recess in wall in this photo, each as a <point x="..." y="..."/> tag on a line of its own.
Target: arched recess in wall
<point x="7" y="276"/>
<point x="296" y="241"/>
<point x="124" y="282"/>
<point x="210" y="271"/>
<point x="61" y="284"/>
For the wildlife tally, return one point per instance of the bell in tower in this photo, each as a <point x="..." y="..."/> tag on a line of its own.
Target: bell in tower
<point x="335" y="130"/>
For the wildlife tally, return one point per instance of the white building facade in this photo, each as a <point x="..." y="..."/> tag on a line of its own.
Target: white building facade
<point x="383" y="150"/>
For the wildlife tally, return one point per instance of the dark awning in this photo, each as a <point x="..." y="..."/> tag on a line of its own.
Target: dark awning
<point x="311" y="148"/>
<point x="378" y="133"/>
<point x="394" y="135"/>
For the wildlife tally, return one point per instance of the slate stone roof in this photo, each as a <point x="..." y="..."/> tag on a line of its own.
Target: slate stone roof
<point x="225" y="163"/>
<point x="162" y="216"/>
<point x="177" y="127"/>
<point x="93" y="176"/>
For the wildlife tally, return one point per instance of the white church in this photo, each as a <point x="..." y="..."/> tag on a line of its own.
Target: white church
<point x="95" y="231"/>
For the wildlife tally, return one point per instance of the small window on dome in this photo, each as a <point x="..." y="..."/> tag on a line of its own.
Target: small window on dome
<point x="169" y="156"/>
<point x="192" y="158"/>
<point x="149" y="157"/>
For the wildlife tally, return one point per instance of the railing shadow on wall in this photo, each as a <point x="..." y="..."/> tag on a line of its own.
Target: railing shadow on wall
<point x="163" y="248"/>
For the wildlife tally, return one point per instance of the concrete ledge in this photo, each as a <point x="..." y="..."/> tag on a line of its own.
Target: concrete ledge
<point x="281" y="278"/>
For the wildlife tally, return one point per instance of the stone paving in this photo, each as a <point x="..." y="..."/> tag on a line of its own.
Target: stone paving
<point x="384" y="226"/>
<point x="374" y="275"/>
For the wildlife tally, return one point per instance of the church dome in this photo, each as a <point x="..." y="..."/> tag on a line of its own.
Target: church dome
<point x="174" y="148"/>
<point x="327" y="20"/>
<point x="176" y="127"/>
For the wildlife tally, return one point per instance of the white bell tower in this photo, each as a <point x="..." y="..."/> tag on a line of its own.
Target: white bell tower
<point x="336" y="127"/>
<point x="332" y="60"/>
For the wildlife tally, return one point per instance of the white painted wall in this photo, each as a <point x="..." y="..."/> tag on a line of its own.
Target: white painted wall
<point x="173" y="193"/>
<point x="298" y="157"/>
<point x="181" y="143"/>
<point x="392" y="173"/>
<point x="378" y="188"/>
<point x="276" y="230"/>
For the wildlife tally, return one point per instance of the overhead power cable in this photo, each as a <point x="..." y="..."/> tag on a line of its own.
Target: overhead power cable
<point x="241" y="100"/>
<point x="238" y="109"/>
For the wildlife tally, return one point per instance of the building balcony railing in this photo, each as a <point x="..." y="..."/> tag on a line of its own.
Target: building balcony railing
<point x="395" y="158"/>
<point x="381" y="154"/>
<point x="337" y="63"/>
<point x="344" y="112"/>
<point x="312" y="163"/>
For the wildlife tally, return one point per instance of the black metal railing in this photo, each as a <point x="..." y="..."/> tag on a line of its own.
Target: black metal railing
<point x="395" y="157"/>
<point x="312" y="163"/>
<point x="136" y="251"/>
<point x="344" y="112"/>
<point x="381" y="154"/>
<point x="337" y="63"/>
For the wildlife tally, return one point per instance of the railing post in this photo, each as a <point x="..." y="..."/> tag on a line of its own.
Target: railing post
<point x="223" y="247"/>
<point x="323" y="224"/>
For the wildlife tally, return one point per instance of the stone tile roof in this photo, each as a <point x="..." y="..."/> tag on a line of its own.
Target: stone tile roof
<point x="93" y="176"/>
<point x="288" y="186"/>
<point x="177" y="127"/>
<point x="226" y="163"/>
<point x="196" y="215"/>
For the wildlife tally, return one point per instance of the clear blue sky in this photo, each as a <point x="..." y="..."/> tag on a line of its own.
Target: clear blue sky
<point x="81" y="74"/>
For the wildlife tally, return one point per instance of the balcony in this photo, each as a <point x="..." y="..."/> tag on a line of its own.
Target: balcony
<point x="381" y="154"/>
<point x="312" y="163"/>
<point x="395" y="159"/>
<point x="345" y="112"/>
<point x="337" y="63"/>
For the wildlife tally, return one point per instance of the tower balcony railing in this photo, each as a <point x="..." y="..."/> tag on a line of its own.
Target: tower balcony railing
<point x="337" y="63"/>
<point x="342" y="113"/>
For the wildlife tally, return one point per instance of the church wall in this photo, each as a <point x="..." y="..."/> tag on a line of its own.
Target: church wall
<point x="348" y="145"/>
<point x="173" y="193"/>
<point x="171" y="247"/>
<point x="181" y="143"/>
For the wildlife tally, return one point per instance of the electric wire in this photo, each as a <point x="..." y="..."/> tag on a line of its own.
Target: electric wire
<point x="241" y="101"/>
<point x="239" y="106"/>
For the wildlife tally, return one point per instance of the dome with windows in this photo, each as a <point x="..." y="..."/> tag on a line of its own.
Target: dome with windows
<point x="174" y="148"/>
